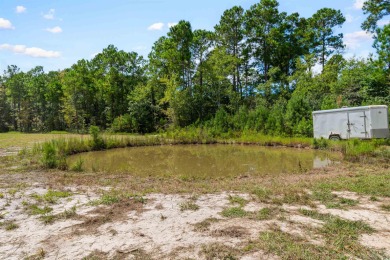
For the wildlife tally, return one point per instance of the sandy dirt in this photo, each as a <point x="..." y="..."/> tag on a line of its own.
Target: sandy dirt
<point x="158" y="227"/>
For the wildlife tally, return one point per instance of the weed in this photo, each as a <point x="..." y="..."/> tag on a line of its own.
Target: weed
<point x="262" y="194"/>
<point x="52" y="196"/>
<point x="234" y="231"/>
<point x="36" y="210"/>
<point x="98" y="142"/>
<point x="238" y="200"/>
<point x="235" y="212"/>
<point x="292" y="247"/>
<point x="385" y="207"/>
<point x="78" y="166"/>
<point x="267" y="213"/>
<point x="373" y="198"/>
<point x="38" y="256"/>
<point x="108" y="199"/>
<point x="70" y="213"/>
<point x="342" y="235"/>
<point x="205" y="224"/>
<point x="48" y="218"/>
<point x="49" y="158"/>
<point x="1" y="195"/>
<point x="219" y="251"/>
<point x="12" y="192"/>
<point x="10" y="226"/>
<point x="367" y="184"/>
<point x="188" y="205"/>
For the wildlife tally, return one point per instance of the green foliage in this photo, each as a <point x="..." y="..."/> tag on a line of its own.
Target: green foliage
<point x="123" y="124"/>
<point x="50" y="158"/>
<point x="97" y="141"/>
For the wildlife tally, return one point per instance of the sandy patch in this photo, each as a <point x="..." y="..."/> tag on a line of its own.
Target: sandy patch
<point x="159" y="227"/>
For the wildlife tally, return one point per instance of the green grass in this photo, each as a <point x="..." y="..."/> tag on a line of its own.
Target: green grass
<point x="267" y="213"/>
<point x="288" y="246"/>
<point x="107" y="199"/>
<point x="362" y="183"/>
<point x="36" y="210"/>
<point x="234" y="212"/>
<point x="342" y="235"/>
<point x="237" y="200"/>
<point x="263" y="194"/>
<point x="51" y="196"/>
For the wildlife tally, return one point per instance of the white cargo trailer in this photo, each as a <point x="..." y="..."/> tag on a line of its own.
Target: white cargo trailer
<point x="352" y="122"/>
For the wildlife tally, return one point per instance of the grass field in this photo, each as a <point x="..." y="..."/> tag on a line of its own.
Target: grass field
<point x="21" y="140"/>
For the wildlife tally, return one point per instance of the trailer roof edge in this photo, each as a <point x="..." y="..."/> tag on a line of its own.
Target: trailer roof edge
<point x="348" y="109"/>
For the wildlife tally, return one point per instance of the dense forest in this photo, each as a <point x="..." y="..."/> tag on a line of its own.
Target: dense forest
<point x="254" y="72"/>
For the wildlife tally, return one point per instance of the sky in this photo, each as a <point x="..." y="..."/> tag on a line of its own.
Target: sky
<point x="57" y="33"/>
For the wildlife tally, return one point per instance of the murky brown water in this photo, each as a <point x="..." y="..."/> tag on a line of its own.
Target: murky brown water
<point x="204" y="160"/>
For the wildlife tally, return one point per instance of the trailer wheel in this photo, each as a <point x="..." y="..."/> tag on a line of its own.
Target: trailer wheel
<point x="335" y="138"/>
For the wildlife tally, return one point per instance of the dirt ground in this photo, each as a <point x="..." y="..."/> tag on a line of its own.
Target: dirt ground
<point x="83" y="224"/>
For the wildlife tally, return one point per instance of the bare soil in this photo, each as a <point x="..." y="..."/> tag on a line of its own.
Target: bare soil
<point x="157" y="227"/>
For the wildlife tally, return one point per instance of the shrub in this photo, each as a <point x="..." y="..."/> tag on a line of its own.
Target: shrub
<point x="49" y="159"/>
<point x="97" y="141"/>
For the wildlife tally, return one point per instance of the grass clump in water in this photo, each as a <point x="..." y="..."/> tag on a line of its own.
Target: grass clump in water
<point x="78" y="166"/>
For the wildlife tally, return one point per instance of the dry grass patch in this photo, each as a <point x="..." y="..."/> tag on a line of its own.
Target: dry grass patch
<point x="219" y="251"/>
<point x="205" y="224"/>
<point x="233" y="231"/>
<point x="113" y="212"/>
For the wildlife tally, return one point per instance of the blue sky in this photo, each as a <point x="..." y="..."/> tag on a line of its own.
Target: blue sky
<point x="57" y="33"/>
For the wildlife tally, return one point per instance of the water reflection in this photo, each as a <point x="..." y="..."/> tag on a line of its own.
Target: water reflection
<point x="204" y="160"/>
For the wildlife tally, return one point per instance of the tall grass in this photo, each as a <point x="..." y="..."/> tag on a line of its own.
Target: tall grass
<point x="53" y="153"/>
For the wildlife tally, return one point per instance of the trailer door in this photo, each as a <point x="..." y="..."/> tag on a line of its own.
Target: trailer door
<point x="357" y="124"/>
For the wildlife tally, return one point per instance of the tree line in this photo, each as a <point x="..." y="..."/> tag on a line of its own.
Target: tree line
<point x="256" y="71"/>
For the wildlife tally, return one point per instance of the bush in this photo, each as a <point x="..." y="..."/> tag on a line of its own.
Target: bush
<point x="49" y="158"/>
<point x="97" y="141"/>
<point x="123" y="124"/>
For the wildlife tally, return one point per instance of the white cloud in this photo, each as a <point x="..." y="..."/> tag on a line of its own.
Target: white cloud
<point x="156" y="27"/>
<point x="358" y="4"/>
<point x="32" y="51"/>
<point x="50" y="14"/>
<point x="20" y="9"/>
<point x="383" y="22"/>
<point x="171" y="24"/>
<point x="5" y="24"/>
<point x="349" y="18"/>
<point x="354" y="40"/>
<point x="56" y="29"/>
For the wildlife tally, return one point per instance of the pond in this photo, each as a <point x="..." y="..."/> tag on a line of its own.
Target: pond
<point x="204" y="160"/>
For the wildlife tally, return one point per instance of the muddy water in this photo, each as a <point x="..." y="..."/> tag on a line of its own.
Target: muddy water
<point x="204" y="160"/>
